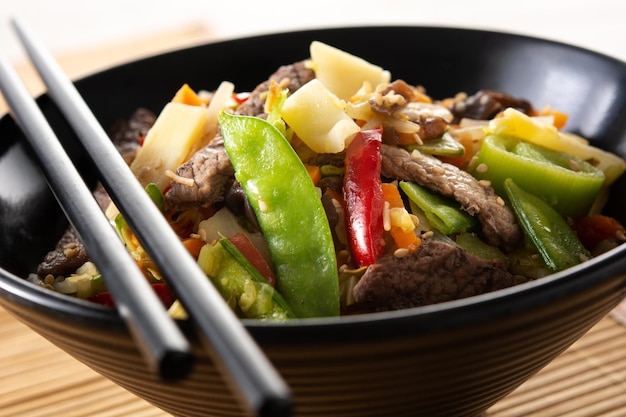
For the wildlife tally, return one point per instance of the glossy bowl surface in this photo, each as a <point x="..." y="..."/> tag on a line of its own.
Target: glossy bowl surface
<point x="451" y="359"/>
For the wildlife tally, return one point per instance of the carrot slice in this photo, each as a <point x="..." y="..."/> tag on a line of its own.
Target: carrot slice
<point x="559" y="118"/>
<point x="314" y="172"/>
<point x="185" y="95"/>
<point x="193" y="245"/>
<point x="392" y="195"/>
<point x="404" y="239"/>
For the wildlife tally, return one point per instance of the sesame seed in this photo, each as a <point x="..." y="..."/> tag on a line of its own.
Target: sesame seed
<point x="437" y="170"/>
<point x="484" y="183"/>
<point x="401" y="252"/>
<point x="500" y="201"/>
<point x="387" y="217"/>
<point x="263" y="205"/>
<point x="482" y="168"/>
<point x="415" y="154"/>
<point x="391" y="98"/>
<point x="428" y="234"/>
<point x="70" y="252"/>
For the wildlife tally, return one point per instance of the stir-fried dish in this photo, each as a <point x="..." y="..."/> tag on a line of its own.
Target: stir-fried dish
<point x="334" y="189"/>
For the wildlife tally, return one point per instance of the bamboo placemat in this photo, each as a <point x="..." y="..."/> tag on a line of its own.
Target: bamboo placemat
<point x="39" y="380"/>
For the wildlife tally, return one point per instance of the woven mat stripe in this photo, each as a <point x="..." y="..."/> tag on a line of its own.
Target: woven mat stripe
<point x="588" y="380"/>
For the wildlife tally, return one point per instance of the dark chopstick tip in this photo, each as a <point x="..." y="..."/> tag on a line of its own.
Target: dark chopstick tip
<point x="176" y="365"/>
<point x="276" y="406"/>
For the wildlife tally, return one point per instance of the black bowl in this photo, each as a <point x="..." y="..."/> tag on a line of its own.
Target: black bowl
<point x="455" y="358"/>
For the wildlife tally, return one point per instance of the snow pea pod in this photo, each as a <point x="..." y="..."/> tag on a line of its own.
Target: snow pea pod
<point x="443" y="214"/>
<point x="555" y="241"/>
<point x="289" y="211"/>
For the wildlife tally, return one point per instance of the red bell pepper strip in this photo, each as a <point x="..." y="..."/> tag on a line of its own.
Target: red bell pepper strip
<point x="252" y="254"/>
<point x="592" y="230"/>
<point x="363" y="197"/>
<point x="162" y="291"/>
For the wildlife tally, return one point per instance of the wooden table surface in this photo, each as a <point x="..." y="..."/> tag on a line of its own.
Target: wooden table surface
<point x="37" y="379"/>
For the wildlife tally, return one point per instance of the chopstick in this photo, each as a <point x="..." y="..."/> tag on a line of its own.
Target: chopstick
<point x="246" y="368"/>
<point x="159" y="339"/>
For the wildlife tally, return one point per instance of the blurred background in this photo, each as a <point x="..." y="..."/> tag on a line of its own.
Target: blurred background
<point x="89" y="36"/>
<point x="71" y="26"/>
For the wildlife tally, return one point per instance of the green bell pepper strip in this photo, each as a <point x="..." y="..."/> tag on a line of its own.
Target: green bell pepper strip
<point x="443" y="214"/>
<point x="289" y="211"/>
<point x="566" y="182"/>
<point x="445" y="145"/>
<point x="243" y="288"/>
<point x="555" y="241"/>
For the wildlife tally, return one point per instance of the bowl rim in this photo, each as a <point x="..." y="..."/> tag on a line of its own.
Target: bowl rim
<point x="361" y="26"/>
<point x="558" y="285"/>
<point x="435" y="317"/>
